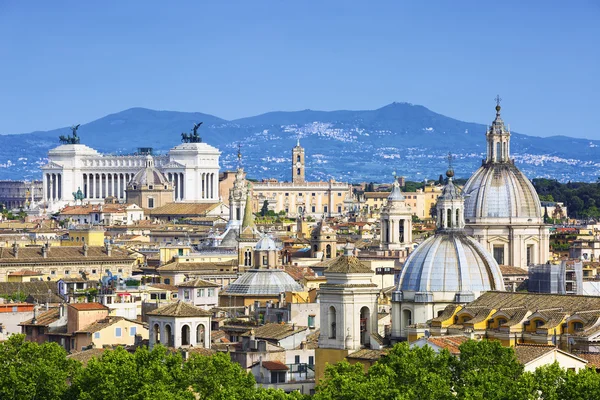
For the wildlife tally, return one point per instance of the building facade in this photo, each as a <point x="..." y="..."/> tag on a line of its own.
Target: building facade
<point x="192" y="169"/>
<point x="299" y="197"/>
<point x="19" y="194"/>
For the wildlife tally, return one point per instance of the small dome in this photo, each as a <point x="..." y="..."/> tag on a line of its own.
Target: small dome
<point x="266" y="243"/>
<point x="264" y="282"/>
<point x="149" y="175"/>
<point x="396" y="194"/>
<point x="501" y="190"/>
<point x="450" y="262"/>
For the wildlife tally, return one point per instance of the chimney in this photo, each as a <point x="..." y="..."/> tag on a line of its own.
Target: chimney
<point x="35" y="314"/>
<point x="45" y="250"/>
<point x="16" y="249"/>
<point x="108" y="250"/>
<point x="85" y="250"/>
<point x="260" y="361"/>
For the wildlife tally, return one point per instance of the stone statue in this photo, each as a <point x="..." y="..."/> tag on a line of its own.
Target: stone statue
<point x="192" y="137"/>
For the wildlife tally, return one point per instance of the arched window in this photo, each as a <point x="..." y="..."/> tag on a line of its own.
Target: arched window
<point x="401" y="230"/>
<point x="315" y="248"/>
<point x="298" y="171"/>
<point x="331" y="317"/>
<point x="457" y="218"/>
<point x="328" y="251"/>
<point x="449" y="219"/>
<point x="406" y="318"/>
<point x="156" y="333"/>
<point x="185" y="335"/>
<point x="298" y="158"/>
<point x="200" y="335"/>
<point x="248" y="257"/>
<point x="169" y="334"/>
<point x="364" y="327"/>
<point x="498" y="152"/>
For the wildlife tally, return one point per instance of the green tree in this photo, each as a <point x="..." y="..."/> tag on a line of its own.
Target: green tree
<point x="344" y="381"/>
<point x="32" y="371"/>
<point x="584" y="385"/>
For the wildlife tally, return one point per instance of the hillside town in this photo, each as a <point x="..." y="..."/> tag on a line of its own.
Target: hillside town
<point x="284" y="278"/>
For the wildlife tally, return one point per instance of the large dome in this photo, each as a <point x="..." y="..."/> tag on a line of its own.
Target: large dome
<point x="453" y="263"/>
<point x="264" y="282"/>
<point x="500" y="190"/>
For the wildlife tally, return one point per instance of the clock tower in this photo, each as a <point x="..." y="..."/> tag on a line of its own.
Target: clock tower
<point x="298" y="164"/>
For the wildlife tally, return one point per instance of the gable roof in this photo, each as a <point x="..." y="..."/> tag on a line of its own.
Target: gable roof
<point x="183" y="209"/>
<point x="275" y="331"/>
<point x="197" y="283"/>
<point x="348" y="265"/>
<point x="275" y="366"/>
<point x="179" y="309"/>
<point x="87" y="306"/>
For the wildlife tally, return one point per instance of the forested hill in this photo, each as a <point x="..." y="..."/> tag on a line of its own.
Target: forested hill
<point x="582" y="199"/>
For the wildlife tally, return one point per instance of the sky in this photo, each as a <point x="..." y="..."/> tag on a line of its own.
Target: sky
<point x="66" y="62"/>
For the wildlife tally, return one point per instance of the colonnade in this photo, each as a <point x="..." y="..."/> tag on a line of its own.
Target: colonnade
<point x="52" y="186"/>
<point x="102" y="185"/>
<point x="207" y="186"/>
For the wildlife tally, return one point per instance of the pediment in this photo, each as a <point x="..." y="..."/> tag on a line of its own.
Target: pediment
<point x="51" y="165"/>
<point x="172" y="165"/>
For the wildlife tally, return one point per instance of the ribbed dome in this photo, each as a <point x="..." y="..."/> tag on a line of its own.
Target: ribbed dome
<point x="450" y="262"/>
<point x="149" y="175"/>
<point x="500" y="190"/>
<point x="266" y="243"/>
<point x="265" y="282"/>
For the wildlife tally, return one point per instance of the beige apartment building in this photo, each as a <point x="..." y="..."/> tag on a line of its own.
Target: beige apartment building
<point x="420" y="201"/>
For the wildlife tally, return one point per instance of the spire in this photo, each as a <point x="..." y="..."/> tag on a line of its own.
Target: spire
<point x="248" y="222"/>
<point x="298" y="142"/>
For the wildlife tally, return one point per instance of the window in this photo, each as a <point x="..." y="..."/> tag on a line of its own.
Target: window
<point x="529" y="254"/>
<point x="93" y="271"/>
<point x="132" y="331"/>
<point x="120" y="270"/>
<point x="200" y="293"/>
<point x="150" y="187"/>
<point x="297" y="360"/>
<point x="186" y="294"/>
<point x="118" y="332"/>
<point x="339" y="195"/>
<point x="339" y="209"/>
<point x="287" y="194"/>
<point x="311" y="321"/>
<point x="499" y="254"/>
<point x="67" y="272"/>
<point x="311" y="360"/>
<point x="277" y="377"/>
<point x="325" y="209"/>
<point x="97" y="335"/>
<point x="313" y="195"/>
<point x="150" y="202"/>
<point x="167" y="281"/>
<point x="265" y="260"/>
<point x="211" y="292"/>
<point x="314" y="209"/>
<point x="53" y="272"/>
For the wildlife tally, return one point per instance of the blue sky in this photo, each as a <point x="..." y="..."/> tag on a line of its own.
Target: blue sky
<point x="63" y="62"/>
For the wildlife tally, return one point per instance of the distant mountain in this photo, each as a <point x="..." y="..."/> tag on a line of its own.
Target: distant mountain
<point x="346" y="145"/>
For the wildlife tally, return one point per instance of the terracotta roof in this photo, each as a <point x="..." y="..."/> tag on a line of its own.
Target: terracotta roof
<point x="87" y="306"/>
<point x="526" y="353"/>
<point x="25" y="272"/>
<point x="45" y="318"/>
<point x="299" y="272"/>
<point x="450" y="343"/>
<point x="348" y="265"/>
<point x="447" y="313"/>
<point x="179" y="309"/>
<point x="163" y="286"/>
<point x="105" y="323"/>
<point x="367" y="354"/>
<point x="593" y="359"/>
<point x="60" y="253"/>
<point x="184" y="209"/>
<point x="275" y="331"/>
<point x="275" y="366"/>
<point x="85" y="356"/>
<point x="196" y="283"/>
<point x="94" y="208"/>
<point x="198" y="266"/>
<point x="510" y="270"/>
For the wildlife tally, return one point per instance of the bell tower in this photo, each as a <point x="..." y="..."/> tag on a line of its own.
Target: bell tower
<point x="396" y="221"/>
<point x="298" y="163"/>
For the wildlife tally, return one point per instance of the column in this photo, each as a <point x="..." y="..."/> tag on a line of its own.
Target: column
<point x="203" y="180"/>
<point x="59" y="186"/>
<point x="96" y="178"/>
<point x="181" y="187"/>
<point x="45" y="187"/>
<point x="119" y="194"/>
<point x="175" y="187"/>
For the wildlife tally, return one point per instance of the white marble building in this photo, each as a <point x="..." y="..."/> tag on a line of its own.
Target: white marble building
<point x="192" y="168"/>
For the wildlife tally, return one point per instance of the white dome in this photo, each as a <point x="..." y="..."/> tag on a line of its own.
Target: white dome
<point x="450" y="262"/>
<point x="149" y="175"/>
<point x="266" y="243"/>
<point x="500" y="190"/>
<point x="265" y="282"/>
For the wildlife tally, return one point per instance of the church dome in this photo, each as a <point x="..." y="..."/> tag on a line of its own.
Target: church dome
<point x="149" y="175"/>
<point x="450" y="262"/>
<point x="266" y="243"/>
<point x="500" y="191"/>
<point x="264" y="282"/>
